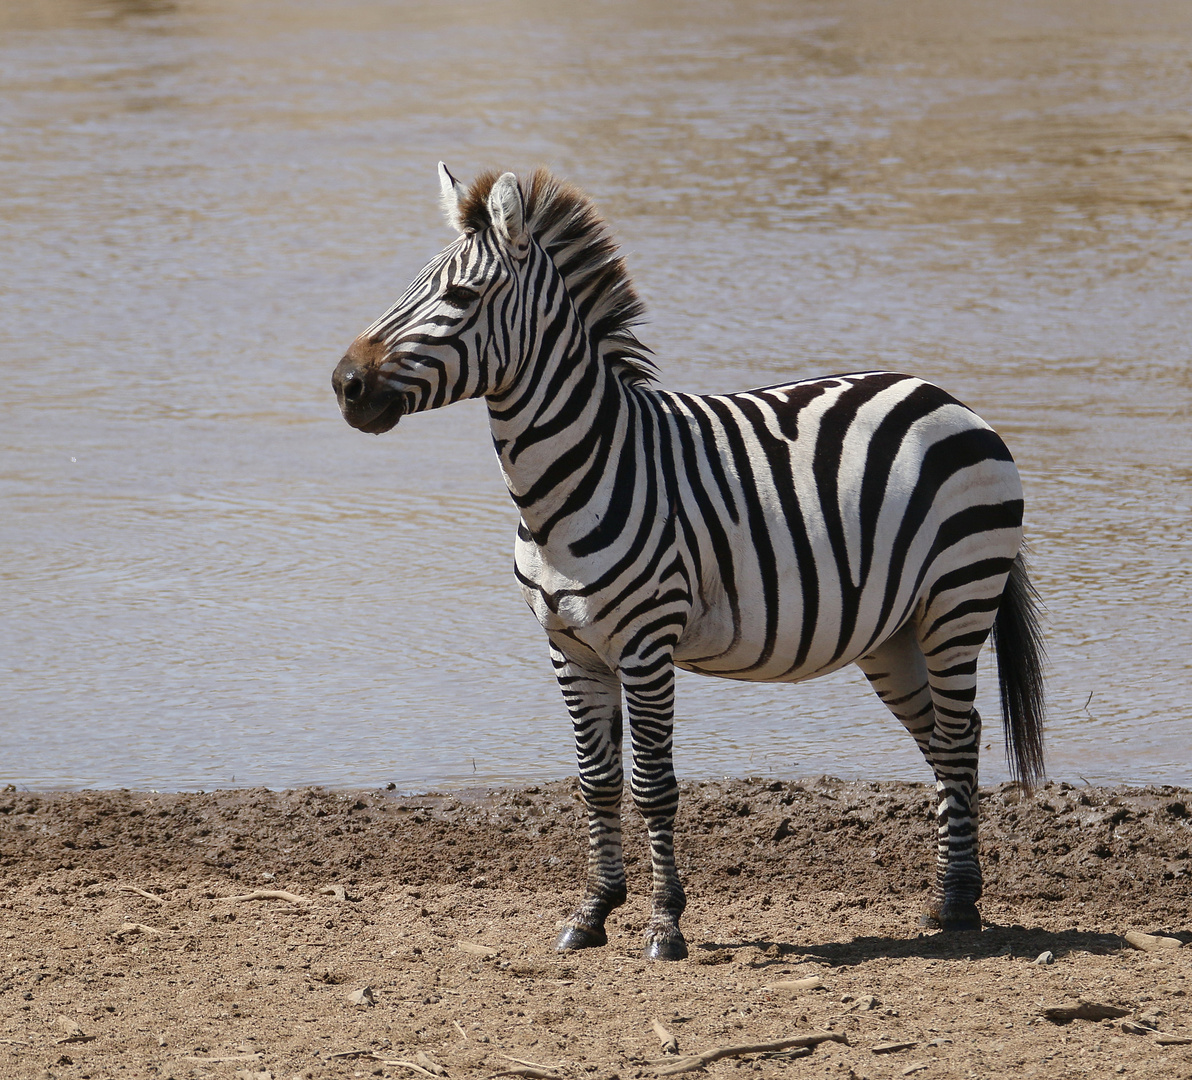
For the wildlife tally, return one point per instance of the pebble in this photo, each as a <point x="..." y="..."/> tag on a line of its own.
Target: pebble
<point x="1045" y="958"/>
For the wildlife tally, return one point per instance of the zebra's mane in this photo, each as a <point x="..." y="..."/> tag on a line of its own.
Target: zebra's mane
<point x="571" y="231"/>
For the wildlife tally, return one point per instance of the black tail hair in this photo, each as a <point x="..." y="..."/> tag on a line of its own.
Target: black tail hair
<point x="1018" y="640"/>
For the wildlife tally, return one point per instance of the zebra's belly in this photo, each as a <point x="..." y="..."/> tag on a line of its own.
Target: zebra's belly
<point x="775" y="646"/>
<point x="782" y="669"/>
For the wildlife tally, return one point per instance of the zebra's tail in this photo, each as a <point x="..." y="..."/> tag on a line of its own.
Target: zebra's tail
<point x="1018" y="641"/>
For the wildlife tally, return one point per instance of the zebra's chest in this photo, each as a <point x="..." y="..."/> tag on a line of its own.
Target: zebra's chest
<point x="552" y="596"/>
<point x="599" y="601"/>
<point x="564" y="594"/>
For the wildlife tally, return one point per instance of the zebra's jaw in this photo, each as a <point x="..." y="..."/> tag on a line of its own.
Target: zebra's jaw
<point x="367" y="403"/>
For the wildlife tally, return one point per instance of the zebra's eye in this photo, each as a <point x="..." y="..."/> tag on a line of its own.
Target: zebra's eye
<point x="460" y="296"/>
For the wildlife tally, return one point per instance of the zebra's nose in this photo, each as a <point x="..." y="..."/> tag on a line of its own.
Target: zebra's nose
<point x="351" y="388"/>
<point x="349" y="382"/>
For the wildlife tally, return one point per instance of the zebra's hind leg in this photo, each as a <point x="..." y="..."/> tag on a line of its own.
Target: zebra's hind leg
<point x="934" y="703"/>
<point x="593" y="698"/>
<point x="955" y="746"/>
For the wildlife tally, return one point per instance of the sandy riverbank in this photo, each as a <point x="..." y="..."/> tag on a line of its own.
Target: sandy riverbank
<point x="785" y="881"/>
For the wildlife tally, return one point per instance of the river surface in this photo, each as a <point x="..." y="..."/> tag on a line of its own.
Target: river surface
<point x="207" y="579"/>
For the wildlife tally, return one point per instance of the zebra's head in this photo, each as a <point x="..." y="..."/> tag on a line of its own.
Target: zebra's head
<point x="528" y="252"/>
<point x="442" y="341"/>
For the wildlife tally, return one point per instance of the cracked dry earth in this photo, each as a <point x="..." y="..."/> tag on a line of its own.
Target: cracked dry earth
<point x="419" y="937"/>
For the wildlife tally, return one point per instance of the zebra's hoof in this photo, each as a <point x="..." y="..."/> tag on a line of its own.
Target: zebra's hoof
<point x="581" y="937"/>
<point x="668" y="948"/>
<point x="957" y="916"/>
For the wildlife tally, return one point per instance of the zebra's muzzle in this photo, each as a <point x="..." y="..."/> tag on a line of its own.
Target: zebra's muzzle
<point x="364" y="404"/>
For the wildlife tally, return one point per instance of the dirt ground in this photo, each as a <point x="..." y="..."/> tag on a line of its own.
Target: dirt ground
<point x="425" y="937"/>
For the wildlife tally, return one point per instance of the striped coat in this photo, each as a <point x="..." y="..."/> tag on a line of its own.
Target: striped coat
<point x="775" y="534"/>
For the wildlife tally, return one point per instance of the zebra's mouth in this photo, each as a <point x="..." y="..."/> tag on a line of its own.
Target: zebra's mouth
<point x="379" y="422"/>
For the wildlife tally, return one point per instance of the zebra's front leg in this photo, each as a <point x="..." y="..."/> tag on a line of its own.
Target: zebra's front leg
<point x="650" y="696"/>
<point x="592" y="693"/>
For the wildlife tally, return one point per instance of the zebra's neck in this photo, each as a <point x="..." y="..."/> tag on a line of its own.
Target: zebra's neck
<point x="567" y="416"/>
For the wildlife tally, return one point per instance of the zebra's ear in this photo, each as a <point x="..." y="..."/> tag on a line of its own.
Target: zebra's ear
<point x="451" y="191"/>
<point x="507" y="210"/>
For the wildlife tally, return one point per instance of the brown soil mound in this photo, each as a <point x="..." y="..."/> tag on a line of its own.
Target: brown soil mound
<point x="424" y="936"/>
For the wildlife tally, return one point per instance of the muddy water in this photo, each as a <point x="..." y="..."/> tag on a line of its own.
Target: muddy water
<point x="207" y="579"/>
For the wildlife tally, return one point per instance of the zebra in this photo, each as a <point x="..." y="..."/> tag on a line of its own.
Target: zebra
<point x="775" y="534"/>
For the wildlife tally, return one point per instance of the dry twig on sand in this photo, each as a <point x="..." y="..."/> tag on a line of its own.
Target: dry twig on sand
<point x="270" y="894"/>
<point x="531" y="1070"/>
<point x="1084" y="1010"/>
<point x="424" y="1065"/>
<point x="142" y="892"/>
<point x="527" y="1071"/>
<point x="398" y="1063"/>
<point x="892" y="1047"/>
<point x="698" y="1061"/>
<point x="137" y="928"/>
